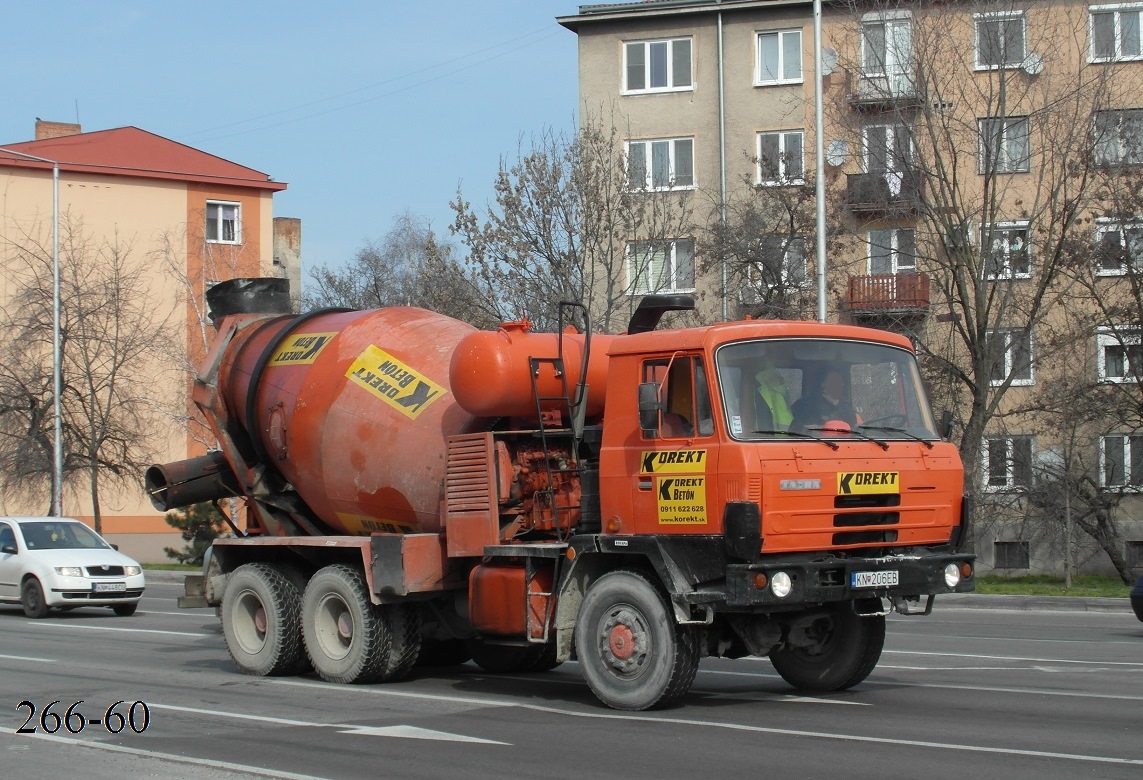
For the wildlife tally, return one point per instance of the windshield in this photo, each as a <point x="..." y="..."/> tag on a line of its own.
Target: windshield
<point x="52" y="535"/>
<point x="776" y="389"/>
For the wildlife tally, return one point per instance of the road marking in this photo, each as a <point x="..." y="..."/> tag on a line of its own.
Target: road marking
<point x="204" y="762"/>
<point x="405" y="732"/>
<point x="743" y="727"/>
<point x="76" y="626"/>
<point x="28" y="658"/>
<point x="1014" y="658"/>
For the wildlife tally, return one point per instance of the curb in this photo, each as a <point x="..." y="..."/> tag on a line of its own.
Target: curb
<point x="166" y="575"/>
<point x="1043" y="603"/>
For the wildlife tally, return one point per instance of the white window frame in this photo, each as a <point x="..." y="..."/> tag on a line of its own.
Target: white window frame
<point x="648" y="145"/>
<point x="1122" y="228"/>
<point x="1131" y="481"/>
<point x="784" y="159"/>
<point x="639" y="270"/>
<point x="1117" y="12"/>
<point x="997" y="233"/>
<point x="1010" y="483"/>
<point x="893" y="245"/>
<point x="999" y="16"/>
<point x="780" y="35"/>
<point x="1007" y="161"/>
<point x="793" y="257"/>
<point x="1118" y="338"/>
<point x="896" y="69"/>
<point x="1010" y="350"/>
<point x="220" y="205"/>
<point x="671" y="86"/>
<point x="1124" y="153"/>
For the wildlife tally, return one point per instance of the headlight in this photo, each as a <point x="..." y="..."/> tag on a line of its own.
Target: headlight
<point x="952" y="575"/>
<point x="69" y="571"/>
<point x="132" y="571"/>
<point x="781" y="584"/>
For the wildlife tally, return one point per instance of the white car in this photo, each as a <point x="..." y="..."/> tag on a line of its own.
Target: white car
<point x="57" y="562"/>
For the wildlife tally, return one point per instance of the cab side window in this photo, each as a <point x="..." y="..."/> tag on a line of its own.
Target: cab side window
<point x="684" y="396"/>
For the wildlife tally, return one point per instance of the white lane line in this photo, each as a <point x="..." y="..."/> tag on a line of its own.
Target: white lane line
<point x="743" y="727"/>
<point x="28" y="658"/>
<point x="78" y="627"/>
<point x="405" y="732"/>
<point x="1012" y="658"/>
<point x="203" y="762"/>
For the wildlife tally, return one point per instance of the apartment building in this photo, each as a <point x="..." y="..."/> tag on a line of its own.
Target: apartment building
<point x="981" y="177"/>
<point x="184" y="220"/>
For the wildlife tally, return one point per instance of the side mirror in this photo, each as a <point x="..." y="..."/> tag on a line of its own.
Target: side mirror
<point x="649" y="406"/>
<point x="945" y="428"/>
<point x="9" y="549"/>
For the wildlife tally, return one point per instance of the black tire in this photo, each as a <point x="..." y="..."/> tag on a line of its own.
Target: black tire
<point x="346" y="636"/>
<point x="545" y="658"/>
<point x="443" y="652"/>
<point x="633" y="654"/>
<point x="501" y="659"/>
<point x="260" y="621"/>
<point x="32" y="599"/>
<point x="848" y="649"/>
<point x="404" y="625"/>
<point x="125" y="610"/>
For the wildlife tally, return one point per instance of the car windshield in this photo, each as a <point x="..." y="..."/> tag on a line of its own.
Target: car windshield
<point x="54" y="535"/>
<point x="775" y="389"/>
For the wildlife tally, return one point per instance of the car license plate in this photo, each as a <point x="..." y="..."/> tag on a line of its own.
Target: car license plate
<point x="873" y="579"/>
<point x="109" y="587"/>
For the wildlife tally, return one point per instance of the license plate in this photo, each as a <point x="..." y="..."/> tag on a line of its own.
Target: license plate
<point x="873" y="579"/>
<point x="109" y="587"/>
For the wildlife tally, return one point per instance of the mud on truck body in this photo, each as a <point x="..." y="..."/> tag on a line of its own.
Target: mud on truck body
<point x="420" y="492"/>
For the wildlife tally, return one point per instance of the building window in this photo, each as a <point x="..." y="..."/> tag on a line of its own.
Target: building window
<point x="892" y="251"/>
<point x="661" y="164"/>
<point x="661" y="266"/>
<point x="1118" y="245"/>
<point x="780" y="157"/>
<point x="1115" y="32"/>
<point x="1119" y="354"/>
<point x="1007" y="462"/>
<point x="1004" y="146"/>
<point x="779" y="58"/>
<point x="1009" y="255"/>
<point x="1011" y="355"/>
<point x="1133" y="553"/>
<point x="1121" y="460"/>
<point x="887" y="57"/>
<point x="1119" y="137"/>
<point x="223" y="225"/>
<point x="999" y="40"/>
<point x="657" y="66"/>
<point x="783" y="262"/>
<point x="1010" y="555"/>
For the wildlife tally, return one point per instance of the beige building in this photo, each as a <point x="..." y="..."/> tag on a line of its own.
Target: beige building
<point x="980" y="196"/>
<point x="186" y="219"/>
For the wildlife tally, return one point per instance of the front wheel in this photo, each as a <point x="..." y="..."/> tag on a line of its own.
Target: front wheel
<point x="125" y="610"/>
<point x="839" y="649"/>
<point x="32" y="599"/>
<point x="633" y="654"/>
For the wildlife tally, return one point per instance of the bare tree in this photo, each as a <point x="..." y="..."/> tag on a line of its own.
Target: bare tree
<point x="112" y="337"/>
<point x="575" y="220"/>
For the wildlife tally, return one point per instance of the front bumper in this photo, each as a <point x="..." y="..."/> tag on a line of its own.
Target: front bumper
<point x="86" y="592"/>
<point x="829" y="580"/>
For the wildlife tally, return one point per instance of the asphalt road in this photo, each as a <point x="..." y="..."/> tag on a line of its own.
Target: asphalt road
<point x="978" y="689"/>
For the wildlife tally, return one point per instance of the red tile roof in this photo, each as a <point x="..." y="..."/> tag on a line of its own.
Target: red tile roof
<point x="129" y="151"/>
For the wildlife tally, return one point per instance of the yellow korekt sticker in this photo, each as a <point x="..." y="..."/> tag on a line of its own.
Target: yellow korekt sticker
<point x="301" y="349"/>
<point x="855" y="482"/>
<point x="394" y="382"/>
<point x="673" y="462"/>
<point x="361" y="524"/>
<point x="682" y="500"/>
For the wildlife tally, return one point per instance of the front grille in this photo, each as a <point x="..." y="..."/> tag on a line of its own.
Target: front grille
<point x="864" y="537"/>
<point x="87" y="595"/>
<point x="855" y="519"/>
<point x="105" y="571"/>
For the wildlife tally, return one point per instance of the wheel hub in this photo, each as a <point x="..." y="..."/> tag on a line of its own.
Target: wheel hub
<point x="624" y="641"/>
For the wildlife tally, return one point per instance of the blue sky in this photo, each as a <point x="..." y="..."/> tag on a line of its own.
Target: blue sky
<point x="366" y="109"/>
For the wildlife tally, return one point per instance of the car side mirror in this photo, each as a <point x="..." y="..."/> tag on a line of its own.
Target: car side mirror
<point x="649" y="406"/>
<point x="9" y="549"/>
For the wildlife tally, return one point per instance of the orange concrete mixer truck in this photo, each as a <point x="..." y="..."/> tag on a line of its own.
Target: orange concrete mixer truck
<point x="418" y="491"/>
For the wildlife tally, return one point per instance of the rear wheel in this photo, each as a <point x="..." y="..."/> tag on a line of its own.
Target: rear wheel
<point x="843" y="648"/>
<point x="260" y="621"/>
<point x="443" y="652"/>
<point x="403" y="623"/>
<point x="633" y="654"/>
<point x="346" y="637"/>
<point x="32" y="599"/>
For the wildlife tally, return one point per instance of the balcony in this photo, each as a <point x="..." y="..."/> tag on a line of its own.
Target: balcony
<point x="888" y="295"/>
<point x="883" y="93"/>
<point x="883" y="193"/>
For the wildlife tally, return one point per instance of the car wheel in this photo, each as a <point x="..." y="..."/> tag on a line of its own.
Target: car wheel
<point x="32" y="599"/>
<point x="845" y="650"/>
<point x="125" y="610"/>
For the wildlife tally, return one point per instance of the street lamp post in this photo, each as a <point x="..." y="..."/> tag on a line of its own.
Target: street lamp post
<point x="57" y="371"/>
